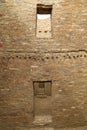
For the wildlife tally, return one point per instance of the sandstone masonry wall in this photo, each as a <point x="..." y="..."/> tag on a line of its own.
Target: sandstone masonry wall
<point x="25" y="58"/>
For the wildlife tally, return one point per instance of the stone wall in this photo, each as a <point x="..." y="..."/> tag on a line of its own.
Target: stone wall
<point x="18" y="25"/>
<point x="25" y="58"/>
<point x="68" y="74"/>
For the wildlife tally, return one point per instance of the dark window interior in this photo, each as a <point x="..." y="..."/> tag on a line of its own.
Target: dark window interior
<point x="44" y="9"/>
<point x="42" y="88"/>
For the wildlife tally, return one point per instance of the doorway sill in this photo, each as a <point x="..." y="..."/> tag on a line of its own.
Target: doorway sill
<point x="42" y="120"/>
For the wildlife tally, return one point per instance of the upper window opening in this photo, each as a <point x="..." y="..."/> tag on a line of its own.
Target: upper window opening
<point x="44" y="18"/>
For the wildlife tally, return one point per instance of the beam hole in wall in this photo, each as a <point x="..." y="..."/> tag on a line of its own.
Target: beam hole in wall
<point x="44" y="20"/>
<point x="40" y="31"/>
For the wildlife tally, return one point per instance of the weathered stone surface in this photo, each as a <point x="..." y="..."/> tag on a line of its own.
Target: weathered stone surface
<point x="24" y="58"/>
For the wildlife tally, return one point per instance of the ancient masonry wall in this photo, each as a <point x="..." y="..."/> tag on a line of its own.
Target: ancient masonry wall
<point x="25" y="58"/>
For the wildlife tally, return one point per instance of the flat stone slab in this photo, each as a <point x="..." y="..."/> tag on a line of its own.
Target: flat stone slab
<point x="47" y="128"/>
<point x="42" y="120"/>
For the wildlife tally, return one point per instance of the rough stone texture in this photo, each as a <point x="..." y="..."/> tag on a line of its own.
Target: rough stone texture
<point x="25" y="58"/>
